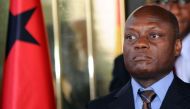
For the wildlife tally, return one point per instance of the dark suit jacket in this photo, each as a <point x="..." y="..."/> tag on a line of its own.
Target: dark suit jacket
<point x="177" y="97"/>
<point x="120" y="74"/>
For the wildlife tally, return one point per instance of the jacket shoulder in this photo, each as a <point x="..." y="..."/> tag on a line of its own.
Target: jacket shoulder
<point x="102" y="102"/>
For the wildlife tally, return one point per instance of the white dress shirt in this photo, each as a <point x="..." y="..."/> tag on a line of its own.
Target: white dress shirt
<point x="182" y="64"/>
<point x="160" y="88"/>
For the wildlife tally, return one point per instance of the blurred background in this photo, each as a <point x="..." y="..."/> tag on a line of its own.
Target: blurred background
<point x="90" y="38"/>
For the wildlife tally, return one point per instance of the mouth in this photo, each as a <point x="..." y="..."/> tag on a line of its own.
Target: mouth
<point x="141" y="58"/>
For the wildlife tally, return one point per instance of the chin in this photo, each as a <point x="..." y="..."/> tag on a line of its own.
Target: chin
<point x="143" y="76"/>
<point x="143" y="73"/>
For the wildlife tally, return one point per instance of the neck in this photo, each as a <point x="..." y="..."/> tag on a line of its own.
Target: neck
<point x="146" y="83"/>
<point x="149" y="81"/>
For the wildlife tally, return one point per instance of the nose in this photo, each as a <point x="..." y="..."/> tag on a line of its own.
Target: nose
<point x="142" y="43"/>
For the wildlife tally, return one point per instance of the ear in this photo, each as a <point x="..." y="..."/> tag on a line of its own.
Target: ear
<point x="178" y="47"/>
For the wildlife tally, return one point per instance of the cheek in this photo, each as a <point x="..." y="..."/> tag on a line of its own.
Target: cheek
<point x="165" y="55"/>
<point x="125" y="48"/>
<point x="128" y="53"/>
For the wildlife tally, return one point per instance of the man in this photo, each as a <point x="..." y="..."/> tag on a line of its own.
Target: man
<point x="151" y="45"/>
<point x="181" y="9"/>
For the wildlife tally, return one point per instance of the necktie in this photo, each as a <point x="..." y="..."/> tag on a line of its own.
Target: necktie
<point x="147" y="97"/>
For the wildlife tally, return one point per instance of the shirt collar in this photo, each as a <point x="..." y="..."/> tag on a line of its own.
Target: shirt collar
<point x="160" y="87"/>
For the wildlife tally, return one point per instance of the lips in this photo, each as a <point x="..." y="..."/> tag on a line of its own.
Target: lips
<point x="142" y="58"/>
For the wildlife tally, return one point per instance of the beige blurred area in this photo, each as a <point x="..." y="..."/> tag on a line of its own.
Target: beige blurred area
<point x="74" y="46"/>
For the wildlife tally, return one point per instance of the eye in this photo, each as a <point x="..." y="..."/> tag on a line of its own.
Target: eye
<point x="130" y="37"/>
<point x="154" y="35"/>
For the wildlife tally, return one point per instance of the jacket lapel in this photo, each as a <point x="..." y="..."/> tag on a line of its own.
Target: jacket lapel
<point x="123" y="99"/>
<point x="177" y="96"/>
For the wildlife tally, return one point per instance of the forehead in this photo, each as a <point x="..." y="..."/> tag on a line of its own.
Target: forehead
<point x="146" y="20"/>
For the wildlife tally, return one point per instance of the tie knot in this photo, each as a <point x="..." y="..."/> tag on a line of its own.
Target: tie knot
<point x="147" y="96"/>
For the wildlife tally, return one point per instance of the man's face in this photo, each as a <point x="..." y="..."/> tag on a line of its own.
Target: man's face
<point x="149" y="47"/>
<point x="182" y="12"/>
